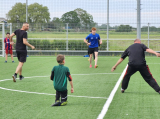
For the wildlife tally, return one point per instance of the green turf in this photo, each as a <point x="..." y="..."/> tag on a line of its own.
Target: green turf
<point x="23" y="105"/>
<point x="139" y="100"/>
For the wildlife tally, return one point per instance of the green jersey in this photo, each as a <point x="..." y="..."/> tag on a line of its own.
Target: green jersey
<point x="59" y="76"/>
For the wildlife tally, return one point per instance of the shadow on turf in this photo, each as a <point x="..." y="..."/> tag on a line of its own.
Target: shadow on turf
<point x="142" y="93"/>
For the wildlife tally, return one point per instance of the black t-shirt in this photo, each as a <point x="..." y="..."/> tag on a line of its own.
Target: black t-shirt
<point x="136" y="54"/>
<point x="20" y="34"/>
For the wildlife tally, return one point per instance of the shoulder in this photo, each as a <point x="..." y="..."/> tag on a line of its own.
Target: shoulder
<point x="89" y="35"/>
<point x="54" y="68"/>
<point x="97" y="34"/>
<point x="24" y="32"/>
<point x="66" y="67"/>
<point x="17" y="30"/>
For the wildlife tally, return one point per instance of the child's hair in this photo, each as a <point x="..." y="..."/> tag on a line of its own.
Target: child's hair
<point x="93" y="29"/>
<point x="7" y="33"/>
<point x="60" y="58"/>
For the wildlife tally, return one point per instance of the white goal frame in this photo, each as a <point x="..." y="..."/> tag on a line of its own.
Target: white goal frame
<point x="3" y="36"/>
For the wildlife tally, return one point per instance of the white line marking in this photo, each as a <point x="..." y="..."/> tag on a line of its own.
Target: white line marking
<point x="45" y="93"/>
<point x="51" y="94"/>
<point x="109" y="100"/>
<point x="73" y="57"/>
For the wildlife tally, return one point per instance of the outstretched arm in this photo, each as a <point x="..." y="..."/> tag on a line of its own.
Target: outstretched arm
<point x="115" y="66"/>
<point x="153" y="52"/>
<point x="11" y="36"/>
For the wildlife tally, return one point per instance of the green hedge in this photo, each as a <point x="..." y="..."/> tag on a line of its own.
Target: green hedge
<point x="61" y="45"/>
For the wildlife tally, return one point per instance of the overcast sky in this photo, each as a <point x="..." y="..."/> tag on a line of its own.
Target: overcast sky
<point x="121" y="11"/>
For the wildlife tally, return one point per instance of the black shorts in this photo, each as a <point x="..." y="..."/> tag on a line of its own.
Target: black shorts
<point x="92" y="50"/>
<point x="62" y="94"/>
<point x="22" y="55"/>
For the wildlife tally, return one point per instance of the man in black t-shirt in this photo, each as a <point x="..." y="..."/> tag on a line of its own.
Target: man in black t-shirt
<point x="136" y="63"/>
<point x="21" y="43"/>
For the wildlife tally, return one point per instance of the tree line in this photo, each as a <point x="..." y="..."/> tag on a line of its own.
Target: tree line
<point x="76" y="19"/>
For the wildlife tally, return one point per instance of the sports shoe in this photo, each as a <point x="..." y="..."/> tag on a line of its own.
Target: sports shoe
<point x="63" y="103"/>
<point x="122" y="90"/>
<point x="57" y="103"/>
<point x="5" y="62"/>
<point x="90" y="66"/>
<point x="14" y="78"/>
<point x="20" y="78"/>
<point x="95" y="66"/>
<point x="12" y="61"/>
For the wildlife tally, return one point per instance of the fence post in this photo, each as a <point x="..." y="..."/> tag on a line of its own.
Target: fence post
<point x="67" y="37"/>
<point x="3" y="36"/>
<point x="148" y="35"/>
<point x="10" y="28"/>
<point x="107" y="24"/>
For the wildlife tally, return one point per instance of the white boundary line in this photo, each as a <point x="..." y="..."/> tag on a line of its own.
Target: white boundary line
<point x="21" y="91"/>
<point x="109" y="100"/>
<point x="71" y="74"/>
<point x="53" y="94"/>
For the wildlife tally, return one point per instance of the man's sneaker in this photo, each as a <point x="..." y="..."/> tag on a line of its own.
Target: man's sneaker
<point x="14" y="78"/>
<point x="90" y="66"/>
<point x="5" y="62"/>
<point x="57" y="103"/>
<point x="95" y="66"/>
<point x="12" y="61"/>
<point x="122" y="90"/>
<point x="21" y="77"/>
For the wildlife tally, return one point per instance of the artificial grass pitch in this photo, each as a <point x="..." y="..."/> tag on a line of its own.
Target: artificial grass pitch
<point x="33" y="96"/>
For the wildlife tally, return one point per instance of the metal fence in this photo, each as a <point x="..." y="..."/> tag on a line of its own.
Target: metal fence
<point x="51" y="38"/>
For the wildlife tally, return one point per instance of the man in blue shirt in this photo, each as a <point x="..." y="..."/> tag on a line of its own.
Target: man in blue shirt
<point x="93" y="39"/>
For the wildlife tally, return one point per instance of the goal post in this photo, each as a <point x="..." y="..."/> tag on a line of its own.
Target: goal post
<point x="2" y="38"/>
<point x="2" y="51"/>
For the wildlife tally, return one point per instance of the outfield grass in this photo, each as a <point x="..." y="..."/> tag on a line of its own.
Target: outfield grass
<point x="139" y="100"/>
<point x="112" y="35"/>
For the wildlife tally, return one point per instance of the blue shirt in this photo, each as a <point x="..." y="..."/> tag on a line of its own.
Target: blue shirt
<point x="93" y="39"/>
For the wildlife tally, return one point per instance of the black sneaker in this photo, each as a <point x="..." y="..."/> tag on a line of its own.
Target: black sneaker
<point x="21" y="77"/>
<point x="122" y="90"/>
<point x="57" y="103"/>
<point x="14" y="78"/>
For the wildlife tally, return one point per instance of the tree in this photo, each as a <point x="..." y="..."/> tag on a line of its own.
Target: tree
<point x="17" y="13"/>
<point x="71" y="18"/>
<point x="56" y="23"/>
<point x="86" y="19"/>
<point x="124" y="28"/>
<point x="36" y="13"/>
